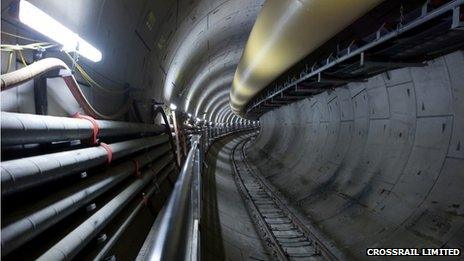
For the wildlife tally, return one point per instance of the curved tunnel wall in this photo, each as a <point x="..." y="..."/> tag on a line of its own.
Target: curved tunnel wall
<point x="378" y="163"/>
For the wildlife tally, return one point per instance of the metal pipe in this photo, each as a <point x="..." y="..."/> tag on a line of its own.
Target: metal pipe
<point x="24" y="229"/>
<point x="171" y="239"/>
<point x="43" y="66"/>
<point x="25" y="74"/>
<point x="114" y="238"/>
<point x="21" y="128"/>
<point x="167" y="128"/>
<point x="73" y="242"/>
<point x="177" y="134"/>
<point x="277" y="41"/>
<point x="20" y="174"/>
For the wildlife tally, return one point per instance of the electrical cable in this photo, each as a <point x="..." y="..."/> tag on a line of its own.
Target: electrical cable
<point x="44" y="46"/>
<point x="40" y="67"/>
<point x="10" y="59"/>
<point x="15" y="78"/>
<point x="22" y="57"/>
<point x="167" y="128"/>
<point x="91" y="81"/>
<point x="20" y="37"/>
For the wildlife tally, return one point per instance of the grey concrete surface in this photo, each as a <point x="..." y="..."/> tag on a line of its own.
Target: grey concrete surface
<point x="228" y="231"/>
<point x="183" y="52"/>
<point x="379" y="163"/>
<point x="375" y="164"/>
<point x="117" y="28"/>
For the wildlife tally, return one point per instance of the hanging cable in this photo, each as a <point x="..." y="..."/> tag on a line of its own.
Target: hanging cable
<point x="10" y="59"/>
<point x="35" y="69"/>
<point x="32" y="46"/>
<point x="43" y="46"/>
<point x="22" y="57"/>
<point x="20" y="37"/>
<point x="92" y="82"/>
<point x="40" y="67"/>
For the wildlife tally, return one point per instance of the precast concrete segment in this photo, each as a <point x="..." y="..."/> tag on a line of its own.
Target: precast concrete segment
<point x="228" y="232"/>
<point x="222" y="116"/>
<point x="213" y="27"/>
<point x="219" y="93"/>
<point x="230" y="117"/>
<point x="286" y="235"/>
<point x="375" y="164"/>
<point x="218" y="104"/>
<point x="221" y="108"/>
<point x="215" y="72"/>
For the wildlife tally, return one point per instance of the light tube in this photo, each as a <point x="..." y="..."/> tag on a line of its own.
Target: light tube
<point x="38" y="20"/>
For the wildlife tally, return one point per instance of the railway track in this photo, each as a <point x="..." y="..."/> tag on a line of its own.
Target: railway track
<point x="282" y="232"/>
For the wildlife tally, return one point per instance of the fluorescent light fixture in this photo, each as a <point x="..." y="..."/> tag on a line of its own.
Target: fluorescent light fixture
<point x="173" y="106"/>
<point x="38" y="20"/>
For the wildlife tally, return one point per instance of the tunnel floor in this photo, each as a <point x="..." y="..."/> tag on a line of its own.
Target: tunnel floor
<point x="229" y="230"/>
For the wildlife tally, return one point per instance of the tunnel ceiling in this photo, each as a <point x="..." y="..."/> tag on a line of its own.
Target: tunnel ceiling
<point x="200" y="44"/>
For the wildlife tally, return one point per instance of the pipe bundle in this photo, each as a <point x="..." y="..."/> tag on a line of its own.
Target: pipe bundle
<point x="71" y="194"/>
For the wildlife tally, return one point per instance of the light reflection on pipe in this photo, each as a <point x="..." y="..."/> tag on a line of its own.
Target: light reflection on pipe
<point x="284" y="33"/>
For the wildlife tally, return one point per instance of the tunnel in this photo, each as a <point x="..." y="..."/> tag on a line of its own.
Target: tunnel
<point x="232" y="130"/>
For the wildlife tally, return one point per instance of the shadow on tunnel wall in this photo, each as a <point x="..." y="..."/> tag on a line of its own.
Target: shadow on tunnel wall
<point x="377" y="163"/>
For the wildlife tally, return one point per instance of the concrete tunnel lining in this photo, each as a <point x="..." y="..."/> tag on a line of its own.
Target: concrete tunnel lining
<point x="230" y="233"/>
<point x="201" y="40"/>
<point x="220" y="93"/>
<point x="372" y="164"/>
<point x="376" y="164"/>
<point x="218" y="69"/>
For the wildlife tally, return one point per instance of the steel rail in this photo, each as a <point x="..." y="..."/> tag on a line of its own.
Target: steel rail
<point x="319" y="243"/>
<point x="278" y="251"/>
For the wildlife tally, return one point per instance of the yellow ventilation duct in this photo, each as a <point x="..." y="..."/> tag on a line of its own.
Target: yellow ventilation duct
<point x="285" y="32"/>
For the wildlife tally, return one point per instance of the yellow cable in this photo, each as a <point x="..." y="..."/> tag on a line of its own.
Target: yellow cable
<point x="89" y="79"/>
<point x="16" y="47"/>
<point x="19" y="36"/>
<point x="34" y="46"/>
<point x="22" y="57"/>
<point x="9" y="47"/>
<point x="10" y="58"/>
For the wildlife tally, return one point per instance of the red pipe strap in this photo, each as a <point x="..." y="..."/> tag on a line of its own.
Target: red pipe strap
<point x="153" y="170"/>
<point x="145" y="200"/>
<point x="137" y="171"/>
<point x="79" y="96"/>
<point x="109" y="152"/>
<point x="95" y="127"/>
